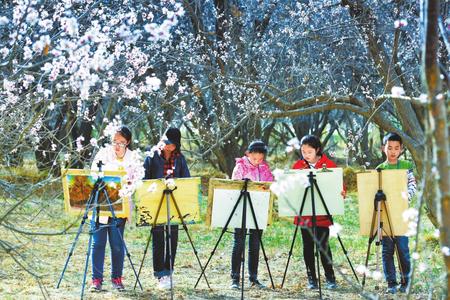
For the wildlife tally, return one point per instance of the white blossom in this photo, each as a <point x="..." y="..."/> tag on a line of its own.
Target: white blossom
<point x="79" y="142"/>
<point x="397" y="91"/>
<point x="153" y="82"/>
<point x="400" y="23"/>
<point x="94" y="142"/>
<point x="335" y="229"/>
<point x="3" y="20"/>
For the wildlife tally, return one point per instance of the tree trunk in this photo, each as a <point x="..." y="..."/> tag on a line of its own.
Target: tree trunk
<point x="438" y="123"/>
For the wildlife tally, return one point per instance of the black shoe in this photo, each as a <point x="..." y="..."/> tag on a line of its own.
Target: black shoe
<point x="256" y="284"/>
<point x="402" y="288"/>
<point x="312" y="284"/>
<point x="235" y="284"/>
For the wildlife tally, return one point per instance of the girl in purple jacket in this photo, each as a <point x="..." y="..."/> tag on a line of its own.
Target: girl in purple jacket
<point x="254" y="167"/>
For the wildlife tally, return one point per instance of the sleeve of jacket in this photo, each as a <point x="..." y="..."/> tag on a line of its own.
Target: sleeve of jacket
<point x="184" y="168"/>
<point x="238" y="172"/>
<point x="147" y="167"/>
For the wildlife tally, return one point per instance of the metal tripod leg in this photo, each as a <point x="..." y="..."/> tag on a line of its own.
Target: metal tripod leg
<point x="80" y="229"/>
<point x="260" y="239"/>
<point x="375" y="217"/>
<point x="180" y="216"/>
<point x="295" y="235"/>
<point x="332" y="222"/>
<point x="149" y="238"/>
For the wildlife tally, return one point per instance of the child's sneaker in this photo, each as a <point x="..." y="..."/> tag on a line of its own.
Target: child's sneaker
<point x="331" y="284"/>
<point x="117" y="284"/>
<point x="312" y="284"/>
<point x="256" y="284"/>
<point x="164" y="283"/>
<point x="403" y="288"/>
<point x="391" y="290"/>
<point x="96" y="285"/>
<point x="235" y="284"/>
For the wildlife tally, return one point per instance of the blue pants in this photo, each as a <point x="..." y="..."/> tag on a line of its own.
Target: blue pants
<point x="388" y="259"/>
<point x="100" y="236"/>
<point x="160" y="249"/>
<point x="253" y="254"/>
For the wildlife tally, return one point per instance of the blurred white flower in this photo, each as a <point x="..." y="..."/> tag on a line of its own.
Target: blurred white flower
<point x="67" y="157"/>
<point x="361" y="269"/>
<point x="152" y="188"/>
<point x="170" y="183"/>
<point x="171" y="78"/>
<point x="423" y="267"/>
<point x="404" y="195"/>
<point x="437" y="233"/>
<point x="397" y="91"/>
<point x="400" y="23"/>
<point x="70" y="25"/>
<point x="294" y="142"/>
<point x="79" y="142"/>
<point x="423" y="98"/>
<point x="94" y="142"/>
<point x="289" y="149"/>
<point x="377" y="275"/>
<point x="153" y="82"/>
<point x="415" y="255"/>
<point x="446" y="251"/>
<point x="189" y="116"/>
<point x="335" y="229"/>
<point x="51" y="106"/>
<point x="3" y="20"/>
<point x="410" y="214"/>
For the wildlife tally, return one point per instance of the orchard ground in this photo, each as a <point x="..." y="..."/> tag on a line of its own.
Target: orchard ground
<point x="48" y="255"/>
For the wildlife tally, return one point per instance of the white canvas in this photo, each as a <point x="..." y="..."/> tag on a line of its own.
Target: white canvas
<point x="291" y="188"/>
<point x="224" y="201"/>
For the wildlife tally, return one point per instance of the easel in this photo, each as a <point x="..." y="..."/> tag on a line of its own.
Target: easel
<point x="313" y="185"/>
<point x="168" y="195"/>
<point x="93" y="204"/>
<point x="245" y="197"/>
<point x="377" y="232"/>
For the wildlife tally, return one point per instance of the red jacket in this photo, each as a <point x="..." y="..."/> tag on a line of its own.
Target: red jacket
<point x="321" y="221"/>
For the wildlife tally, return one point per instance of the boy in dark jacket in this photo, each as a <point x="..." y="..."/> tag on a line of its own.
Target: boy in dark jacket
<point x="167" y="162"/>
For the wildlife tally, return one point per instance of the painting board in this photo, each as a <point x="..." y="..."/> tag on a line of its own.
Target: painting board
<point x="78" y="185"/>
<point x="223" y="195"/>
<point x="293" y="185"/>
<point x="187" y="196"/>
<point x="394" y="184"/>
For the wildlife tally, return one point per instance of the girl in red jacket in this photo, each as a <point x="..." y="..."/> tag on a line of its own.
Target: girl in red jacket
<point x="313" y="158"/>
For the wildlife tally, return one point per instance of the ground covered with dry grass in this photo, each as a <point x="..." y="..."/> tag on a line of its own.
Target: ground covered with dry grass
<point x="46" y="256"/>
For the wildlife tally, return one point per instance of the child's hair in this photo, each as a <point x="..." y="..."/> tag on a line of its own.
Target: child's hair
<point x="257" y="146"/>
<point x="312" y="141"/>
<point x="126" y="133"/>
<point x="393" y="137"/>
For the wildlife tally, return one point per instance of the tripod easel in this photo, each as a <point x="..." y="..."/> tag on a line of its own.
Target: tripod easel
<point x="245" y="197"/>
<point x="314" y="186"/>
<point x="93" y="204"/>
<point x="376" y="232"/>
<point x="168" y="196"/>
